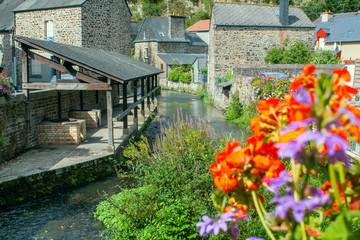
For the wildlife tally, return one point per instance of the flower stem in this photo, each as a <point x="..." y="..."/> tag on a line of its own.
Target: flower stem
<point x="334" y="185"/>
<point x="341" y="171"/>
<point x="262" y="219"/>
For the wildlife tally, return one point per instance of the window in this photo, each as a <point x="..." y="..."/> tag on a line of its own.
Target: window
<point x="146" y="52"/>
<point x="161" y="34"/>
<point x="161" y="66"/>
<point x="49" y="31"/>
<point x="35" y="69"/>
<point x="321" y="43"/>
<point x="348" y="33"/>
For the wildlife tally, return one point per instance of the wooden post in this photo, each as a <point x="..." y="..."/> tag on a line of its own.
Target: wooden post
<point x="135" y="100"/>
<point x="147" y="91"/>
<point x="142" y="95"/>
<point x="81" y="100"/>
<point x="59" y="104"/>
<point x="25" y="79"/>
<point x="125" y="119"/>
<point x="57" y="72"/>
<point x="111" y="146"/>
<point x="152" y="88"/>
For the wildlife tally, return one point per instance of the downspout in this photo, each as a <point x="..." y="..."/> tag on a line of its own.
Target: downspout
<point x="14" y="56"/>
<point x="213" y="50"/>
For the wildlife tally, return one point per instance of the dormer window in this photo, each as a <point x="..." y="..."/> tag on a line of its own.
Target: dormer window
<point x="161" y="34"/>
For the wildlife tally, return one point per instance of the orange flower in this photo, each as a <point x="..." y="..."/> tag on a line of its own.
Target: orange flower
<point x="340" y="87"/>
<point x="266" y="105"/>
<point x="275" y="169"/>
<point x="223" y="178"/>
<point x="312" y="232"/>
<point x="307" y="80"/>
<point x="261" y="162"/>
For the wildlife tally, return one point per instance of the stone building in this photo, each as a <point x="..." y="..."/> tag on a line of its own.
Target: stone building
<point x="166" y="35"/>
<point x="98" y="24"/>
<point x="201" y="28"/>
<point x="243" y="33"/>
<point x="6" y="35"/>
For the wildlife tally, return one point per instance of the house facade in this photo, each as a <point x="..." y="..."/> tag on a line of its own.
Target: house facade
<point x="166" y="35"/>
<point x="98" y="24"/>
<point x="339" y="33"/>
<point x="243" y="33"/>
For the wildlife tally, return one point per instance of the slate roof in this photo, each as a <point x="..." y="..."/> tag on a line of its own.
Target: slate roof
<point x="135" y="26"/>
<point x="187" y="59"/>
<point x="337" y="15"/>
<point x="31" y="5"/>
<point x="341" y="29"/>
<point x="6" y="13"/>
<point x="240" y="14"/>
<point x="114" y="64"/>
<point x="157" y="29"/>
<point x="201" y="25"/>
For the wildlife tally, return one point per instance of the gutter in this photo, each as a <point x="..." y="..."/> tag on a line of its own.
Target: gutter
<point x="239" y="25"/>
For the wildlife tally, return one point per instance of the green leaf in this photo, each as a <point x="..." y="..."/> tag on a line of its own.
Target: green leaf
<point x="219" y="200"/>
<point x="340" y="229"/>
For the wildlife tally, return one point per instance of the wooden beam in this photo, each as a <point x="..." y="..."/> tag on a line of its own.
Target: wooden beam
<point x="142" y="95"/>
<point x="135" y="100"/>
<point x="63" y="68"/>
<point x="148" y="90"/>
<point x="65" y="86"/>
<point x="109" y="106"/>
<point x="25" y="80"/>
<point x="125" y="119"/>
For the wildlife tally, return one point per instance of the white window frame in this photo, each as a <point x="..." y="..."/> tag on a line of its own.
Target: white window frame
<point x="146" y="54"/>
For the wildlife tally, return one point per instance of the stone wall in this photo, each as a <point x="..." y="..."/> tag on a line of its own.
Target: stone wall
<point x="6" y="53"/>
<point x="140" y="53"/>
<point x="67" y="24"/>
<point x="106" y="25"/>
<point x="230" y="46"/>
<point x="188" y="87"/>
<point x="244" y="73"/>
<point x="43" y="106"/>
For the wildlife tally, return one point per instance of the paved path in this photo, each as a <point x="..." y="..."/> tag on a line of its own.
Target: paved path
<point x="51" y="157"/>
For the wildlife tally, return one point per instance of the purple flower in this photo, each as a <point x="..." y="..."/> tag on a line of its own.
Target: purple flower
<point x="302" y="96"/>
<point x="353" y="119"/>
<point x="211" y="226"/>
<point x="276" y="183"/>
<point x="335" y="144"/>
<point x="254" y="238"/>
<point x="288" y="202"/>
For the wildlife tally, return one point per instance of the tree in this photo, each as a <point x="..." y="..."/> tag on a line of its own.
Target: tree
<point x="313" y="9"/>
<point x="297" y="54"/>
<point x="352" y="5"/>
<point x="324" y="57"/>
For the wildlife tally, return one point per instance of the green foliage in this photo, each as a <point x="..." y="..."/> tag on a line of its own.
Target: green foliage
<point x="227" y="78"/>
<point x="204" y="70"/>
<point x="185" y="77"/>
<point x="235" y="109"/>
<point x="153" y="8"/>
<point x="324" y="57"/>
<point x="204" y="95"/>
<point x="196" y="17"/>
<point x="174" y="184"/>
<point x="181" y="73"/>
<point x="298" y="53"/>
<point x="175" y="74"/>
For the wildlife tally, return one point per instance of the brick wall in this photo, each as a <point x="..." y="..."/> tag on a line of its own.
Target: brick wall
<point x="106" y="25"/>
<point x="43" y="106"/>
<point x="5" y="53"/>
<point x="230" y="46"/>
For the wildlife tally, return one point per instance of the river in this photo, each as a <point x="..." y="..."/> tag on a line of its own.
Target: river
<point x="70" y="215"/>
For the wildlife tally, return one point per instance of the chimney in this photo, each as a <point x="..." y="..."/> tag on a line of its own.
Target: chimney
<point x="177" y="27"/>
<point x="284" y="12"/>
<point x="325" y="16"/>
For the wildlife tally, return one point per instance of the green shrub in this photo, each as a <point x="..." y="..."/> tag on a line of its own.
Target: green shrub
<point x="175" y="74"/>
<point x="204" y="70"/>
<point x="227" y="78"/>
<point x="324" y="57"/>
<point x="185" y="77"/>
<point x="235" y="109"/>
<point x="174" y="184"/>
